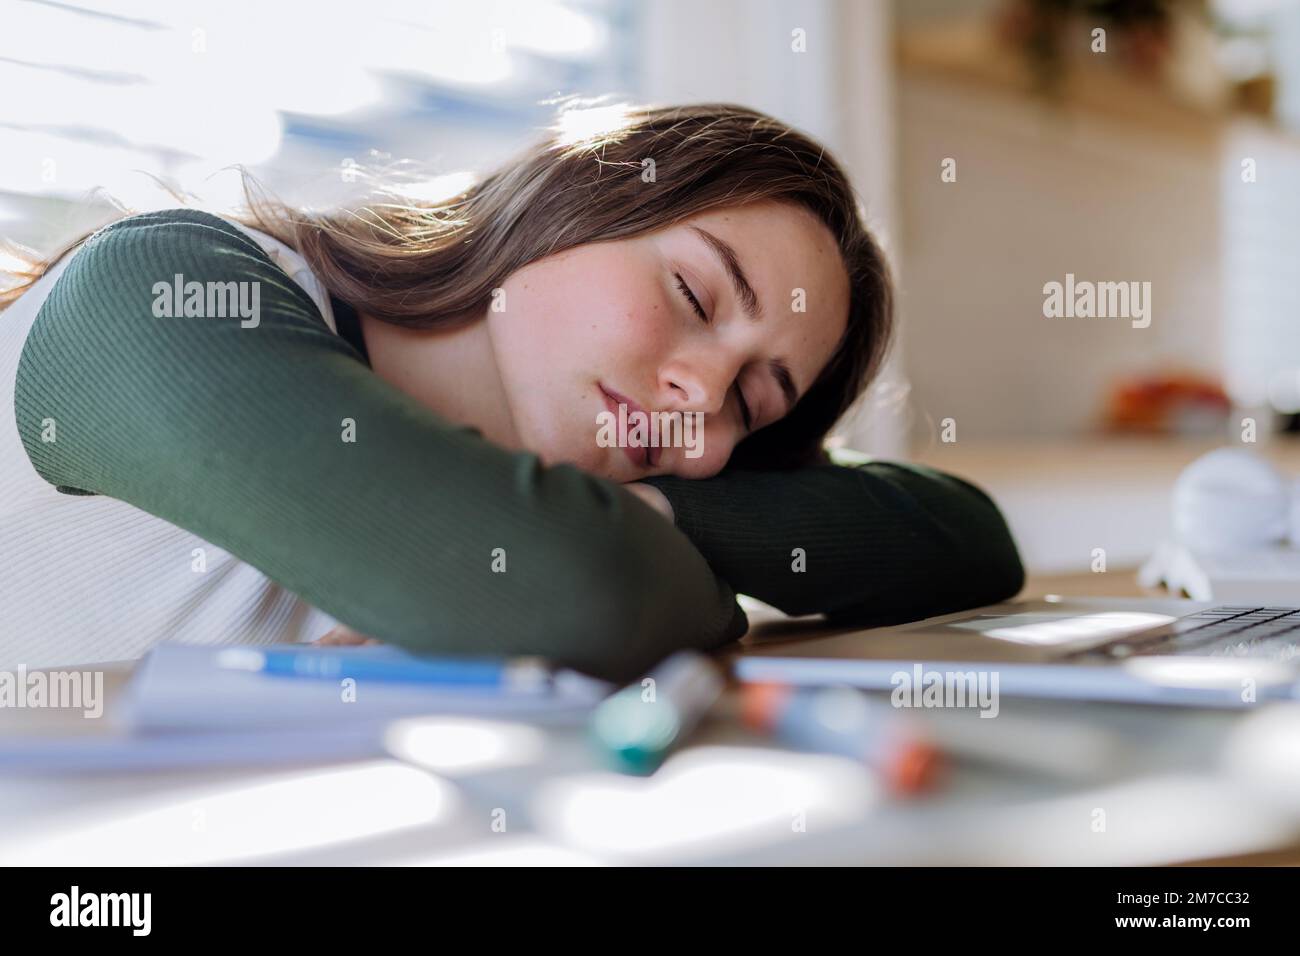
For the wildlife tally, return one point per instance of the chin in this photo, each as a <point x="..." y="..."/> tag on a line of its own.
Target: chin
<point x="571" y="443"/>
<point x="596" y="461"/>
<point x="554" y="451"/>
<point x="601" y="462"/>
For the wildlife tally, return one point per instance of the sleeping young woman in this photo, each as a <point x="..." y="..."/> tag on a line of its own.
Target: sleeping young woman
<point x="397" y="430"/>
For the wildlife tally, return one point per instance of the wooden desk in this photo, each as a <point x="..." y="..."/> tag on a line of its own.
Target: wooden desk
<point x="561" y="803"/>
<point x="1117" y="583"/>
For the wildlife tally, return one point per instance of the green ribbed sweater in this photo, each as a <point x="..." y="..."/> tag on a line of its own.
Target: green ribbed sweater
<point x="235" y="434"/>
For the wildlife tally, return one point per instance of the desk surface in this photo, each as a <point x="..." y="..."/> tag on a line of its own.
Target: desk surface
<point x="476" y="791"/>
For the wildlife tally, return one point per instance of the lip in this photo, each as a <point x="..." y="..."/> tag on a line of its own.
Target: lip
<point x="644" y="456"/>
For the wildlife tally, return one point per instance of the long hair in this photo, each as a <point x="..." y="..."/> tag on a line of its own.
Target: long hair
<point x="599" y="173"/>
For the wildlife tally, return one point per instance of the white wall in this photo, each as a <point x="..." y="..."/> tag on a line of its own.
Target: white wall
<point x="1040" y="194"/>
<point x="1261" y="260"/>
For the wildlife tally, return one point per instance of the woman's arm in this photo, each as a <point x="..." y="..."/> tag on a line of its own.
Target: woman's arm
<point x="274" y="441"/>
<point x="874" y="543"/>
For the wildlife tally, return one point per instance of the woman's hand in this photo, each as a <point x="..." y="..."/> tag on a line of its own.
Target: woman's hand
<point x="341" y="636"/>
<point x="651" y="496"/>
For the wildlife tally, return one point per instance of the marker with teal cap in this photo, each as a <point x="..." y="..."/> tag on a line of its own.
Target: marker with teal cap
<point x="638" y="727"/>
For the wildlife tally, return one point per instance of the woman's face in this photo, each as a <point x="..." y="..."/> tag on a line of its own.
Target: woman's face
<point x="606" y="323"/>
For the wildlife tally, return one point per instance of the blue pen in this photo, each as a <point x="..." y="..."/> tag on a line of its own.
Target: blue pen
<point x="524" y="675"/>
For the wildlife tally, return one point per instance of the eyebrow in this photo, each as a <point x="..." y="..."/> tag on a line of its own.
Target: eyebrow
<point x="739" y="281"/>
<point x="752" y="307"/>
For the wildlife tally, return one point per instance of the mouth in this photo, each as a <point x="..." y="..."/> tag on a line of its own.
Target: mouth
<point x="644" y="456"/>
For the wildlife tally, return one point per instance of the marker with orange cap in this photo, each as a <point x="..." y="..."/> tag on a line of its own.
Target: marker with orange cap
<point x="844" y="721"/>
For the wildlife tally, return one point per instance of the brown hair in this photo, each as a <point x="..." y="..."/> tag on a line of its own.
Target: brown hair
<point x="428" y="263"/>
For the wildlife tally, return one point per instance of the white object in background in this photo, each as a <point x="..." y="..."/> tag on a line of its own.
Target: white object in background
<point x="1230" y="500"/>
<point x="1265" y="576"/>
<point x="1294" y="519"/>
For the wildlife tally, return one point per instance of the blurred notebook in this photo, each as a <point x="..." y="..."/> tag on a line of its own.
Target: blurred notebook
<point x="182" y="709"/>
<point x="108" y="748"/>
<point x="182" y="687"/>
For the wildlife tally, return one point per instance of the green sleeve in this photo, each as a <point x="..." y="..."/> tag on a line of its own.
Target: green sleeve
<point x="881" y="542"/>
<point x="237" y="434"/>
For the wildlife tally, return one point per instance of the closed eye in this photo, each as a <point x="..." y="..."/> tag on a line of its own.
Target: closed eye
<point x="690" y="297"/>
<point x="745" y="414"/>
<point x="744" y="410"/>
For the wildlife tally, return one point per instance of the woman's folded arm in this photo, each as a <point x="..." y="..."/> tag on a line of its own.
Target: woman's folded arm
<point x="274" y="441"/>
<point x="872" y="543"/>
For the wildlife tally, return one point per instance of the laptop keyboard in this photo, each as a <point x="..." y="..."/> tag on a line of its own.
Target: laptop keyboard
<point x="1269" y="633"/>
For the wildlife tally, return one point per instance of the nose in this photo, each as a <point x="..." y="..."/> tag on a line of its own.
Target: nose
<point x="698" y="384"/>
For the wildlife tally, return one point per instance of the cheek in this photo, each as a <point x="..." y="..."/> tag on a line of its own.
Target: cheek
<point x="587" y="311"/>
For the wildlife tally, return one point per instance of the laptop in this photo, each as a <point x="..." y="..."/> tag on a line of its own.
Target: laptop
<point x="1144" y="650"/>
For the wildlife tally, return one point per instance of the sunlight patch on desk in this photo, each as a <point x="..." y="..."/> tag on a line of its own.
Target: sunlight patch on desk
<point x="241" y="823"/>
<point x="1264" y="753"/>
<point x="706" y="800"/>
<point x="501" y="850"/>
<point x="1147" y="822"/>
<point x="1050" y="630"/>
<point x="464" y="745"/>
<point x="1223" y="673"/>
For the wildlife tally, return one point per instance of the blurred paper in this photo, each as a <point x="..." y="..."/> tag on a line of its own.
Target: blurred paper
<point x="181" y="687"/>
<point x="121" y="750"/>
<point x="181" y="709"/>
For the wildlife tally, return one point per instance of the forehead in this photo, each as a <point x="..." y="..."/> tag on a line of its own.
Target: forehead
<point x="794" y="264"/>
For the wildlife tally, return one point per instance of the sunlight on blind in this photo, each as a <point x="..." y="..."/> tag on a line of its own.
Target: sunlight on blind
<point x="96" y="89"/>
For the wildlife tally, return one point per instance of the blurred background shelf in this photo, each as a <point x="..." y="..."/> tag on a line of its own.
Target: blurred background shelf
<point x="1063" y="499"/>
